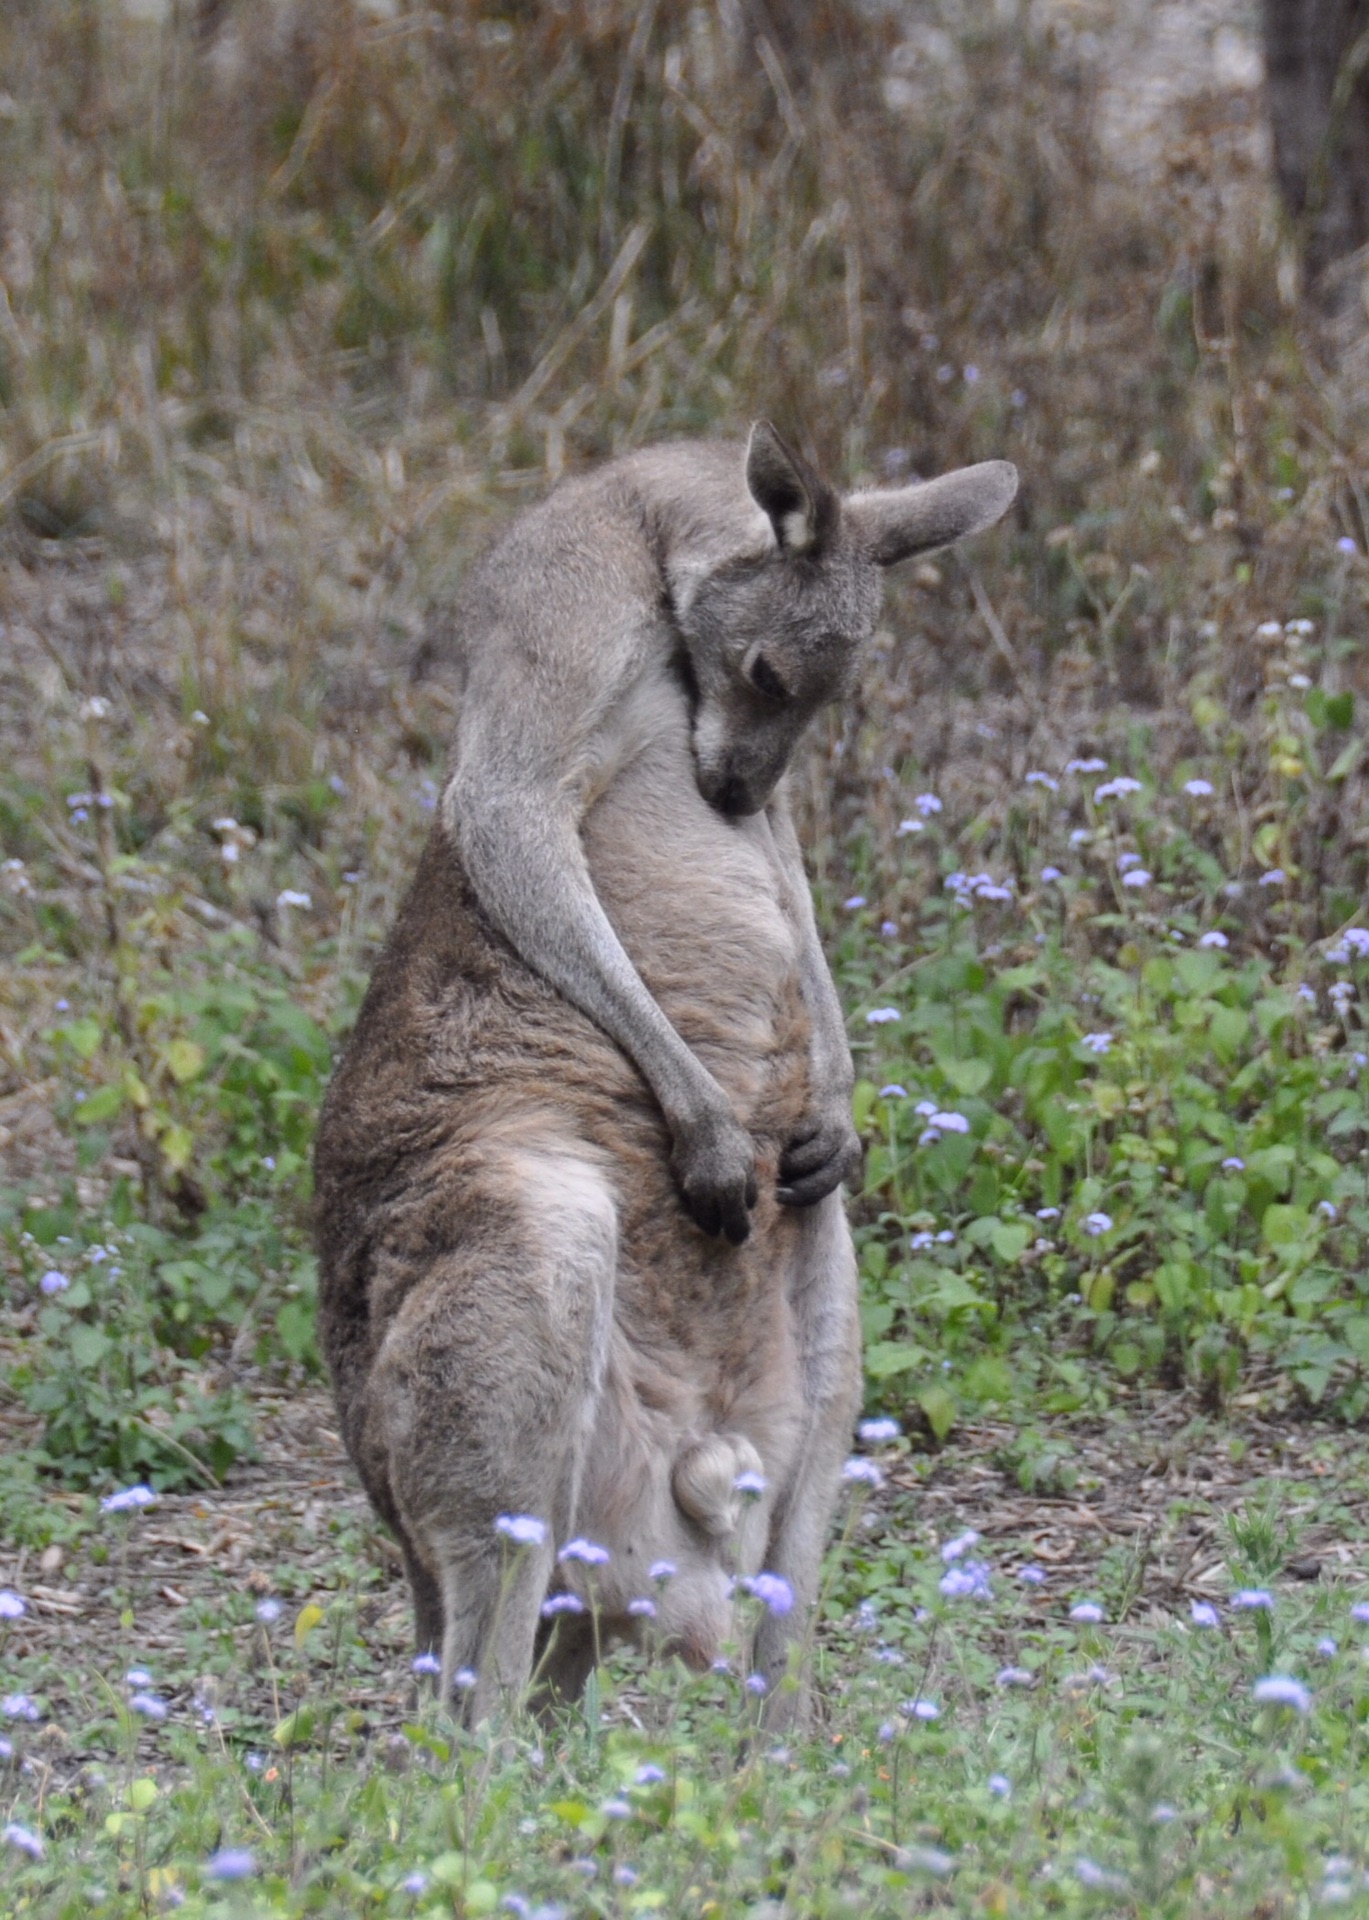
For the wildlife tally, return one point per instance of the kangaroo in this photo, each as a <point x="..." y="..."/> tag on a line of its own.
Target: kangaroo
<point x="587" y="1291"/>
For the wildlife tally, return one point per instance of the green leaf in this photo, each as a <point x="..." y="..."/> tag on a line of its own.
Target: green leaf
<point x="1197" y="971"/>
<point x="103" y="1104"/>
<point x="142" y="1794"/>
<point x="940" y="1408"/>
<point x="89" y="1345"/>
<point x="1272" y="1011"/>
<point x="863" y="1103"/>
<point x="888" y="1357"/>
<point x="184" y="1060"/>
<point x="1010" y="1240"/>
<point x="305" y="1622"/>
<point x="1273" y="1165"/>
<point x="1346" y="760"/>
<point x="1018" y="979"/>
<point x="1227" y="1029"/>
<point x="968" y="1076"/>
<point x="1285" y="1226"/>
<point x="82" y="1036"/>
<point x="295" y="1728"/>
<point x="177" y="1145"/>
<point x="449" y="1869"/>
<point x="431" y="1742"/>
<point x="1312" y="1380"/>
<point x="988" y="1378"/>
<point x="295" y="1329"/>
<point x="1173" y="1285"/>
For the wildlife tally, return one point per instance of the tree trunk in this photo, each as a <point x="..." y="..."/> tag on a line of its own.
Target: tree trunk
<point x="1317" y="63"/>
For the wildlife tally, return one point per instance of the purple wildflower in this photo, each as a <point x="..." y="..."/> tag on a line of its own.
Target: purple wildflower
<point x="524" y="1529"/>
<point x="878" y="1432"/>
<point x="231" y="1863"/>
<point x="128" y="1499"/>
<point x="589" y="1552"/>
<point x="773" y="1590"/>
<point x="1280" y="1690"/>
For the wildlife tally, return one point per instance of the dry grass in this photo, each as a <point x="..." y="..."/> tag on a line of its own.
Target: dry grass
<point x="300" y="297"/>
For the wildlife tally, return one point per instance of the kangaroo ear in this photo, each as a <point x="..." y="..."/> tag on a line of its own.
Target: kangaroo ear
<point x="896" y="522"/>
<point x="802" y="508"/>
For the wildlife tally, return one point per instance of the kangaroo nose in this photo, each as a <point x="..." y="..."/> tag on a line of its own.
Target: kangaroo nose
<point x="732" y="798"/>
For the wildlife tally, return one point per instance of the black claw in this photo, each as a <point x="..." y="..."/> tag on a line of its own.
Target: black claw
<point x="797" y="1163"/>
<point x="705" y="1217"/>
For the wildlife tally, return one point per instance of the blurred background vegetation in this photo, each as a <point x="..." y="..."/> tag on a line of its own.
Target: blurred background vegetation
<point x="298" y="298"/>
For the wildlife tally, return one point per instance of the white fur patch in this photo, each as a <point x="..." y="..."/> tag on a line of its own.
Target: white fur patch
<point x="798" y="530"/>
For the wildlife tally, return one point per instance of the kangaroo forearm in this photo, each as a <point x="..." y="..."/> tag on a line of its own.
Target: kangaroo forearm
<point x="534" y="884"/>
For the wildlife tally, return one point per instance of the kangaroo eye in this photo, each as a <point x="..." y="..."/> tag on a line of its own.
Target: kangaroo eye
<point x="765" y="679"/>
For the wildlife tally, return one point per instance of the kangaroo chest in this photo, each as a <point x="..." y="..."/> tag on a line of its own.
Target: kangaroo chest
<point x="701" y="904"/>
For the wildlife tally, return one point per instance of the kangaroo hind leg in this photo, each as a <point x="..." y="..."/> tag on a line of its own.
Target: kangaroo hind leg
<point x="483" y="1399"/>
<point x="823" y="1290"/>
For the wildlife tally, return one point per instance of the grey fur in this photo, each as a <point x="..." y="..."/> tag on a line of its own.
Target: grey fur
<point x="604" y="995"/>
<point x="670" y="574"/>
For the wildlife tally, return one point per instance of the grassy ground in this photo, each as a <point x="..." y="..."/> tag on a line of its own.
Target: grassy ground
<point x="227" y="1673"/>
<point x="294" y="311"/>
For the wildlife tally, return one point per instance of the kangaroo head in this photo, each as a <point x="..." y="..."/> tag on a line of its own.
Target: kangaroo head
<point x="771" y="637"/>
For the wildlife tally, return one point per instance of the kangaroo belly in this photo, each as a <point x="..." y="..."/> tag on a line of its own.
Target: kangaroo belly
<point x="700" y="903"/>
